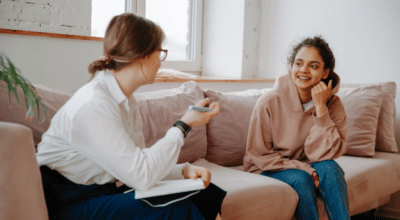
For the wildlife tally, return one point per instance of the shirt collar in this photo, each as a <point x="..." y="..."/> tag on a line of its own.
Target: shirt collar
<point x="113" y="86"/>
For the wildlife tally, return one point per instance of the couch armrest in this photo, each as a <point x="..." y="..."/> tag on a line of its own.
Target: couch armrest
<point x="21" y="191"/>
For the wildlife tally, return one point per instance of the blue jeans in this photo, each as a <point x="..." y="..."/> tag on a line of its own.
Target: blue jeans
<point x="332" y="189"/>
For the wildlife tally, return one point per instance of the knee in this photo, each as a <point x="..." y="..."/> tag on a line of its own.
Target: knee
<point x="301" y="180"/>
<point x="328" y="169"/>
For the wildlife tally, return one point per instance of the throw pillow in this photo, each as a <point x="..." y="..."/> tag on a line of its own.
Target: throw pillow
<point x="54" y="99"/>
<point x="159" y="111"/>
<point x="227" y="132"/>
<point x="385" y="134"/>
<point x="362" y="106"/>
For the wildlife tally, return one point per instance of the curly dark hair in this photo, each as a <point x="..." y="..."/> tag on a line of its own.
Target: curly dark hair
<point x="323" y="48"/>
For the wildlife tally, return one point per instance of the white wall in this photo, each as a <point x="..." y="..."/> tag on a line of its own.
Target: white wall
<point x="223" y="38"/>
<point x="231" y="34"/>
<point x="251" y="38"/>
<point x="55" y="62"/>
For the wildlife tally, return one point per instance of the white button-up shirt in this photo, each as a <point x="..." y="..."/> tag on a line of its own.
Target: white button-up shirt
<point x="96" y="137"/>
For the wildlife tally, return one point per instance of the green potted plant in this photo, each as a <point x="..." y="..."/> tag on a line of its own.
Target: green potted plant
<point x="13" y="78"/>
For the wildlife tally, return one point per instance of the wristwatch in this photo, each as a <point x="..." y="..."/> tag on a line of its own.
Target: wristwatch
<point x="183" y="126"/>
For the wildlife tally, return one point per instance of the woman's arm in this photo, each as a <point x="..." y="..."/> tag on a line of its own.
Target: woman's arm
<point x="328" y="136"/>
<point x="260" y="154"/>
<point x="99" y="134"/>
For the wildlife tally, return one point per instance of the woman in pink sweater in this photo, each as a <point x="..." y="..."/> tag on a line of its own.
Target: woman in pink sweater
<point x="298" y="128"/>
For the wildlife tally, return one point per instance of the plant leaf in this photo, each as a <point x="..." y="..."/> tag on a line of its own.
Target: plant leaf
<point x="12" y="77"/>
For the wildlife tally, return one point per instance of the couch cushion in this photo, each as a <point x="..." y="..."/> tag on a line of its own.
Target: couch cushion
<point x="362" y="106"/>
<point x="52" y="98"/>
<point x="159" y="111"/>
<point x="252" y="196"/>
<point x="368" y="179"/>
<point x="227" y="132"/>
<point x="385" y="134"/>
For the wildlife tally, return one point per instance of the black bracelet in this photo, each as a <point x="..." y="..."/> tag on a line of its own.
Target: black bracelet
<point x="183" y="126"/>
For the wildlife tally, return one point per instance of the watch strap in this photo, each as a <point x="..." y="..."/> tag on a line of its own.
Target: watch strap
<point x="183" y="126"/>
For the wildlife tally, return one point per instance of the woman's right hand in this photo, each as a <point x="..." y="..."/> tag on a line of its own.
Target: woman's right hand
<point x="194" y="118"/>
<point x="315" y="178"/>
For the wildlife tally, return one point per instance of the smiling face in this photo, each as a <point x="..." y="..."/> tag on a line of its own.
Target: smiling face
<point x="308" y="69"/>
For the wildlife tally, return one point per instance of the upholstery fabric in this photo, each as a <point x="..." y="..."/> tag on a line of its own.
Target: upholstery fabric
<point x="52" y="98"/>
<point x="21" y="190"/>
<point x="227" y="132"/>
<point x="369" y="180"/>
<point x="362" y="106"/>
<point x="251" y="196"/>
<point x="385" y="134"/>
<point x="159" y="111"/>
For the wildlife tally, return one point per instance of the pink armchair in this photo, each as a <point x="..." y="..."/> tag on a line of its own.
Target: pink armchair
<point x="21" y="192"/>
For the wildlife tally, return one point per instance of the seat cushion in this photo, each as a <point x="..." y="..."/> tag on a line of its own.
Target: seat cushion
<point x="369" y="179"/>
<point x="252" y="196"/>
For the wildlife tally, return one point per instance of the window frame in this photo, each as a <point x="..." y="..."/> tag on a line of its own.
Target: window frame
<point x="194" y="65"/>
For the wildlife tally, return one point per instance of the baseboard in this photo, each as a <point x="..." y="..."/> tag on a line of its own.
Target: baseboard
<point x="389" y="214"/>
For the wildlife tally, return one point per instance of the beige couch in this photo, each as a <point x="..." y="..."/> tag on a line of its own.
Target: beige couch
<point x="371" y="164"/>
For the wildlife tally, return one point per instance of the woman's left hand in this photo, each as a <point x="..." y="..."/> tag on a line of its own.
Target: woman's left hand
<point x="194" y="172"/>
<point x="320" y="94"/>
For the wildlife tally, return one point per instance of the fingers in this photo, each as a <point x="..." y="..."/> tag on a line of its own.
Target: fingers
<point x="200" y="172"/>
<point x="206" y="175"/>
<point x="203" y="102"/>
<point x="321" y="87"/>
<point x="330" y="85"/>
<point x="193" y="175"/>
<point x="215" y="106"/>
<point x="315" y="178"/>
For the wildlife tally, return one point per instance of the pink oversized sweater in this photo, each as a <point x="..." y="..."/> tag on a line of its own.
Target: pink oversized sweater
<point x="284" y="136"/>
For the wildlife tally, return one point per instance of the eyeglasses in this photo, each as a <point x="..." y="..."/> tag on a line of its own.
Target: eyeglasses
<point x="163" y="54"/>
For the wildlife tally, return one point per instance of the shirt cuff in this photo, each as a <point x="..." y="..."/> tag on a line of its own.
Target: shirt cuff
<point x="174" y="133"/>
<point x="176" y="172"/>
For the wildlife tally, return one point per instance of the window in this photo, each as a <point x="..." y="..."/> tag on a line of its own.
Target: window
<point x="102" y="12"/>
<point x="181" y="21"/>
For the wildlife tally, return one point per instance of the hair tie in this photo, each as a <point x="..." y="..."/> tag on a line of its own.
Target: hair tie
<point x="106" y="60"/>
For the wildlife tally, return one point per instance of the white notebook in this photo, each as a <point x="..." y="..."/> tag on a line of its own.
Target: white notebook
<point x="170" y="187"/>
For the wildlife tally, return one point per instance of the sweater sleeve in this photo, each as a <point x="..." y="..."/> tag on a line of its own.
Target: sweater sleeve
<point x="260" y="153"/>
<point x="328" y="136"/>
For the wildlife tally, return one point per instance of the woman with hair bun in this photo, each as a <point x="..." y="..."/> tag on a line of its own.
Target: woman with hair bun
<point x="298" y="128"/>
<point x="96" y="139"/>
